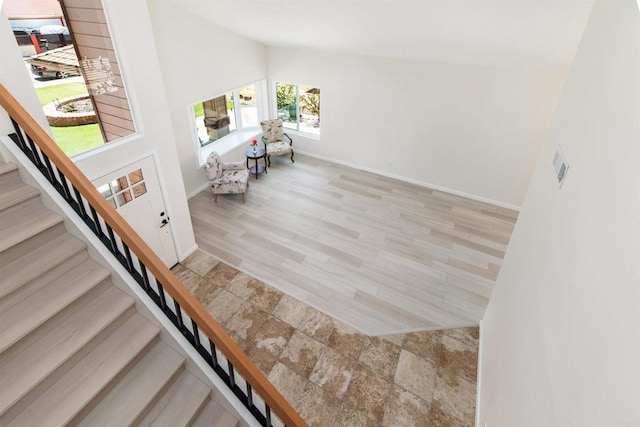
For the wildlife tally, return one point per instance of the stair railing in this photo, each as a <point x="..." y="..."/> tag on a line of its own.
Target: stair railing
<point x="210" y="340"/>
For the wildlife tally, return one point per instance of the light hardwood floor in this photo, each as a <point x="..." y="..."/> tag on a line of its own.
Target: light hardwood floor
<point x="379" y="254"/>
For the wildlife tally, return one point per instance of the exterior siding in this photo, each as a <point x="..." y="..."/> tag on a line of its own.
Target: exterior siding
<point x="88" y="25"/>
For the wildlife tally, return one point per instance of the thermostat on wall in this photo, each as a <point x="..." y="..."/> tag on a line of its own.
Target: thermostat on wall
<point x="560" y="165"/>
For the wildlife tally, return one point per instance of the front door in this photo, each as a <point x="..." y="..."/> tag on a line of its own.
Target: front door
<point x="134" y="191"/>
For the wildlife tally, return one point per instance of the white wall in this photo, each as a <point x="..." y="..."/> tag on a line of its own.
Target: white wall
<point x="131" y="32"/>
<point x="561" y="334"/>
<point x="475" y="130"/>
<point x="199" y="60"/>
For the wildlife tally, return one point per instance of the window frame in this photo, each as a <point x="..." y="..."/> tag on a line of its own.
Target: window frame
<point x="274" y="109"/>
<point x="241" y="135"/>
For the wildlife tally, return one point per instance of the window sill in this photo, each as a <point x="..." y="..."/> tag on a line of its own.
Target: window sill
<point x="308" y="135"/>
<point x="228" y="143"/>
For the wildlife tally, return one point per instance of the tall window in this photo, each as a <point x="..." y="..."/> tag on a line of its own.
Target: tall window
<point x="299" y="107"/>
<point x="81" y="118"/>
<point x="225" y="114"/>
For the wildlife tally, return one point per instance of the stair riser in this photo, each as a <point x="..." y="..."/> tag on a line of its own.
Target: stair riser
<point x="82" y="412"/>
<point x="24" y="401"/>
<point x="74" y="336"/>
<point x="9" y="179"/>
<point x="22" y="221"/>
<point x="213" y="415"/>
<point x="32" y="286"/>
<point x="11" y="196"/>
<point x="80" y="418"/>
<point x="12" y="287"/>
<point x="157" y="397"/>
<point x="198" y="411"/>
<point x="64" y="312"/>
<point x="16" y="251"/>
<point x="18" y="210"/>
<point x="167" y="412"/>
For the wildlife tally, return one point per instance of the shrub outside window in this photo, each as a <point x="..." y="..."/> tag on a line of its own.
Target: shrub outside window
<point x="299" y="107"/>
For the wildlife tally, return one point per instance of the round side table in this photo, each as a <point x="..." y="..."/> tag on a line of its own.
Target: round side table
<point x="259" y="153"/>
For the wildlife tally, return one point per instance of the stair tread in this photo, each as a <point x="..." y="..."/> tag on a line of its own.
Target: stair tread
<point x="180" y="404"/>
<point x="16" y="194"/>
<point x="24" y="317"/>
<point x="97" y="359"/>
<point x="23" y="221"/>
<point x="73" y="391"/>
<point x="214" y="415"/>
<point x="129" y="399"/>
<point x="7" y="167"/>
<point x="24" y="370"/>
<point x="37" y="262"/>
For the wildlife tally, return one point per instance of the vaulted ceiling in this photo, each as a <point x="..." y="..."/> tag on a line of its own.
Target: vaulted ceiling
<point x="486" y="32"/>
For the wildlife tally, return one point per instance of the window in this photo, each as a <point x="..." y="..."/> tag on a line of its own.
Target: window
<point x="124" y="189"/>
<point x="299" y="107"/>
<point x="248" y="106"/>
<point x="80" y="119"/>
<point x="218" y="117"/>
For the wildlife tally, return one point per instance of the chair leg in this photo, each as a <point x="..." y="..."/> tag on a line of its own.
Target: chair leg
<point x="215" y="198"/>
<point x="243" y="197"/>
<point x="292" y="161"/>
<point x="268" y="160"/>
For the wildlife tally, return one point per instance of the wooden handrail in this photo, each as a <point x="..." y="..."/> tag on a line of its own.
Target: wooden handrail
<point x="172" y="285"/>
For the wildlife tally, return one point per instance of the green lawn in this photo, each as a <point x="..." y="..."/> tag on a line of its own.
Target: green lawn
<point x="77" y="139"/>
<point x="198" y="109"/>
<point x="50" y="93"/>
<point x="72" y="139"/>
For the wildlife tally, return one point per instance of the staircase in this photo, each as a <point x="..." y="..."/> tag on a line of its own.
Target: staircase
<point x="73" y="348"/>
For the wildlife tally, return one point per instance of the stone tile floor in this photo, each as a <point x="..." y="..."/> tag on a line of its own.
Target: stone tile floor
<point x="332" y="374"/>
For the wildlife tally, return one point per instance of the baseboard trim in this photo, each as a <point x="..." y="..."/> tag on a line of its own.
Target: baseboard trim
<point x="197" y="190"/>
<point x="413" y="181"/>
<point x="479" y="376"/>
<point x="188" y="252"/>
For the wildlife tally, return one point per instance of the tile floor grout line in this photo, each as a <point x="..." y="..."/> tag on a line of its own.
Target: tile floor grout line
<point x="219" y="277"/>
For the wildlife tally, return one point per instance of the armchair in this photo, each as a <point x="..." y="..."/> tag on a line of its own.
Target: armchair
<point x="272" y="137"/>
<point x="226" y="178"/>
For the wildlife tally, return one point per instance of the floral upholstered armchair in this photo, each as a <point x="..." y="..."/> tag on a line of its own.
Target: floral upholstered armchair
<point x="273" y="138"/>
<point x="226" y="178"/>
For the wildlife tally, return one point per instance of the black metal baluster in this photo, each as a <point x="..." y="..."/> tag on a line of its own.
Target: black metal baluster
<point x="52" y="178"/>
<point x="65" y="188"/>
<point x="27" y="149"/>
<point x="142" y="276"/>
<point x="83" y="211"/>
<point x="267" y="421"/>
<point x="214" y="356"/>
<point x="163" y="300"/>
<point x="145" y="276"/>
<point x="21" y="144"/>
<point x="112" y="240"/>
<point x="96" y="223"/>
<point x="179" y="315"/>
<point x="196" y="334"/>
<point x="127" y="253"/>
<point x="232" y="375"/>
<point x="36" y="154"/>
<point x="249" y="395"/>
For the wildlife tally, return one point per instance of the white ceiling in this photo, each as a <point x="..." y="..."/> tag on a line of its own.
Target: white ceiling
<point x="503" y="32"/>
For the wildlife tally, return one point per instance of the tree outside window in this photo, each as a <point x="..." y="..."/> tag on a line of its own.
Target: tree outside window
<point x="299" y="107"/>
